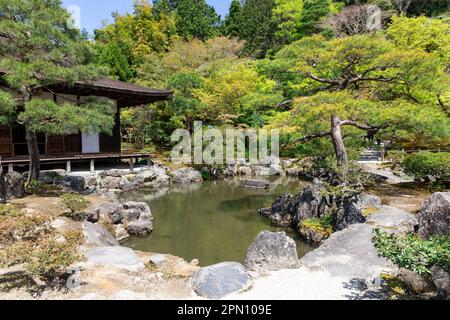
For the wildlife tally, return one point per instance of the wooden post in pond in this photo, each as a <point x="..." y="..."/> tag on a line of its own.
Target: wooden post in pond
<point x="92" y="165"/>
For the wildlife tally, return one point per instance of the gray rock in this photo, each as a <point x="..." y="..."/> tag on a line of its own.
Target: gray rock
<point x="219" y="280"/>
<point x="126" y="184"/>
<point x="350" y="254"/>
<point x="110" y="182"/>
<point x="119" y="257"/>
<point x="272" y="251"/>
<point x="158" y="260"/>
<point x="434" y="217"/>
<point x="186" y="175"/>
<point x="293" y="172"/>
<point x="244" y="171"/>
<point x="256" y="184"/>
<point x="347" y="214"/>
<point x="121" y="233"/>
<point x="393" y="220"/>
<point x="415" y="282"/>
<point x="132" y="207"/>
<point x="112" y="209"/>
<point x="15" y="185"/>
<point x="132" y="214"/>
<point x="310" y="204"/>
<point x="76" y="183"/>
<point x="141" y="227"/>
<point x="96" y="235"/>
<point x="441" y="280"/>
<point x="366" y="200"/>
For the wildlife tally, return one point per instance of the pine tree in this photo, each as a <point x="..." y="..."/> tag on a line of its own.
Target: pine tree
<point x="232" y="20"/>
<point x="313" y="12"/>
<point x="41" y="51"/>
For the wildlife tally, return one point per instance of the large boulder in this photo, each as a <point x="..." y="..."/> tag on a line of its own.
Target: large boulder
<point x="393" y="220"/>
<point x="219" y="280"/>
<point x="76" y="183"/>
<point x="441" y="280"/>
<point x="186" y="175"/>
<point x="256" y="184"/>
<point x="112" y="209"/>
<point x="110" y="182"/>
<point x="138" y="218"/>
<point x="15" y="185"/>
<point x="310" y="204"/>
<point x="347" y="214"/>
<point x="119" y="257"/>
<point x="97" y="236"/>
<point x="434" y="217"/>
<point x="272" y="251"/>
<point x="366" y="200"/>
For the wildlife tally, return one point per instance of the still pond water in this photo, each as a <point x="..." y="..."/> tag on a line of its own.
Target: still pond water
<point x="214" y="221"/>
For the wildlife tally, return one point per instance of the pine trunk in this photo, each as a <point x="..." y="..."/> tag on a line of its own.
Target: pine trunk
<point x="338" y="142"/>
<point x="33" y="151"/>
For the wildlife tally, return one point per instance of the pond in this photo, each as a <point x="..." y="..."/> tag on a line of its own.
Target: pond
<point x="213" y="221"/>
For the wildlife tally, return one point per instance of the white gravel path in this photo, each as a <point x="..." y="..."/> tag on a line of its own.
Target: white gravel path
<point x="298" y="284"/>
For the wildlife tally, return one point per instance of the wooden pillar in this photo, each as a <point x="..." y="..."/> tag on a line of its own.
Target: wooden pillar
<point x="132" y="164"/>
<point x="10" y="167"/>
<point x="92" y="165"/>
<point x="68" y="166"/>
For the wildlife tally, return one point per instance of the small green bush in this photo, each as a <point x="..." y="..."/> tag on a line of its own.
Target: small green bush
<point x="74" y="203"/>
<point x="35" y="187"/>
<point x="425" y="165"/>
<point x="412" y="252"/>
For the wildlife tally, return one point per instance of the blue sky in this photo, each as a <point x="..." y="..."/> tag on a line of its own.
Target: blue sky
<point x="94" y="11"/>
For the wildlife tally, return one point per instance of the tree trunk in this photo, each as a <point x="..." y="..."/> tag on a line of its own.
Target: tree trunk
<point x="33" y="151"/>
<point x="3" y="187"/>
<point x="338" y="142"/>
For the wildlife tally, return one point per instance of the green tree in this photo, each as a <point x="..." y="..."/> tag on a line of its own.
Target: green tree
<point x="313" y="13"/>
<point x="287" y="15"/>
<point x="41" y="51"/>
<point x="257" y="26"/>
<point x="231" y="23"/>
<point x="367" y="83"/>
<point x="196" y="19"/>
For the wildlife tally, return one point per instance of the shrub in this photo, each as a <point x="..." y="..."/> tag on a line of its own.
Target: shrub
<point x="74" y="203"/>
<point x="412" y="252"/>
<point x="429" y="167"/>
<point x="323" y="225"/>
<point x="35" y="187"/>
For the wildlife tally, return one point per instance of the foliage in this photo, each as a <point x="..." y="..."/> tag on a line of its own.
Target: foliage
<point x="231" y="23"/>
<point x="257" y="27"/>
<point x="73" y="202"/>
<point x="412" y="252"/>
<point x="425" y="166"/>
<point x="323" y="225"/>
<point x="313" y="13"/>
<point x="35" y="187"/>
<point x="287" y="14"/>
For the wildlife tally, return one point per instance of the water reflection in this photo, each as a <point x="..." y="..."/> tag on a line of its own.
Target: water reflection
<point x="213" y="221"/>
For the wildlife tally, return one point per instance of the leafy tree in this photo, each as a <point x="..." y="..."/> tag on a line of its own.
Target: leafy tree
<point x="236" y="94"/>
<point x="257" y="26"/>
<point x="127" y="42"/>
<point x="185" y="104"/>
<point x="196" y="19"/>
<point x="313" y="13"/>
<point x="287" y="15"/>
<point x="231" y="23"/>
<point x="41" y="51"/>
<point x="369" y="84"/>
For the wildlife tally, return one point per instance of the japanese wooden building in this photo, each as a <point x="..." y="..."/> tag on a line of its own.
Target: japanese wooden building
<point x="77" y="146"/>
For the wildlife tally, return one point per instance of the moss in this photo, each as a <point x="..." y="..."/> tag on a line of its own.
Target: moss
<point x="369" y="211"/>
<point x="396" y="286"/>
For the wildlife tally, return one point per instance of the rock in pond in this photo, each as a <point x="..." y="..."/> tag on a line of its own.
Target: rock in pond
<point x="434" y="217"/>
<point x="139" y="218"/>
<point x="256" y="184"/>
<point x="186" y="175"/>
<point x="119" y="257"/>
<point x="272" y="251"/>
<point x="96" y="235"/>
<point x="219" y="280"/>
